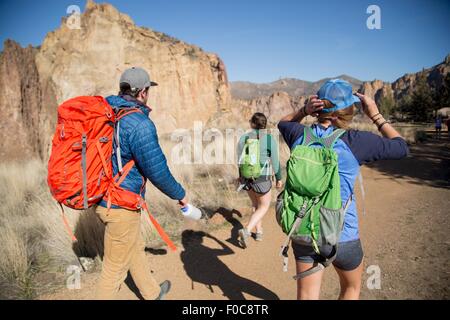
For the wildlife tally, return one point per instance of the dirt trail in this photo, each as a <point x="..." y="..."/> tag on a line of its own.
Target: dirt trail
<point x="404" y="233"/>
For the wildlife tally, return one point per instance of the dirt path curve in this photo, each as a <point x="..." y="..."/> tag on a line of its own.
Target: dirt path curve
<point x="404" y="233"/>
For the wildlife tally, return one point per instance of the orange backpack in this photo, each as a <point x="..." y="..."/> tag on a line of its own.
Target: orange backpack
<point x="80" y="166"/>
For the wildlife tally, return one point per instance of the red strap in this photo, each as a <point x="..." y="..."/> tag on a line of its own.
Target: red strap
<point x="160" y="230"/>
<point x="66" y="224"/>
<point x="125" y="171"/>
<point x="123" y="112"/>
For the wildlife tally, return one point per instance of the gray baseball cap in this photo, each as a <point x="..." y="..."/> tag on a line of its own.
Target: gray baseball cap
<point x="137" y="78"/>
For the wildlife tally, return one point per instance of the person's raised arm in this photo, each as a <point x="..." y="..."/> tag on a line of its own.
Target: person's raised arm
<point x="367" y="146"/>
<point x="290" y="126"/>
<point x="312" y="107"/>
<point x="371" y="110"/>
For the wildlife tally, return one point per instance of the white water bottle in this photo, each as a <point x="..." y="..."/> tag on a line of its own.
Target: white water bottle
<point x="191" y="212"/>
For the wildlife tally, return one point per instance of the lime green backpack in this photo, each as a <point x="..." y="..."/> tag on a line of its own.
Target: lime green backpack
<point x="309" y="210"/>
<point x="249" y="160"/>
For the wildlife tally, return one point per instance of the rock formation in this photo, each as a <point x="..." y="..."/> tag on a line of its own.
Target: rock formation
<point x="28" y="106"/>
<point x="193" y="84"/>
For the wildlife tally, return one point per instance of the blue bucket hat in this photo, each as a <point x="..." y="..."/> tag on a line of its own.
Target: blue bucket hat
<point x="339" y="92"/>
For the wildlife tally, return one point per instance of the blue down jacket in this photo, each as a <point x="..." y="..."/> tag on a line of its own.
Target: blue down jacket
<point x="139" y="141"/>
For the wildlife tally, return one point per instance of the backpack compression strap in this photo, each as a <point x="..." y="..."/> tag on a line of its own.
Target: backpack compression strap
<point x="300" y="215"/>
<point x="326" y="260"/>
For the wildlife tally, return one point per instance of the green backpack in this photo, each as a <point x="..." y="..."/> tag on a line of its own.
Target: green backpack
<point x="309" y="210"/>
<point x="249" y="160"/>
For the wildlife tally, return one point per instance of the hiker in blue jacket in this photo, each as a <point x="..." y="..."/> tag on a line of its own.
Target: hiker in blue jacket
<point x="138" y="139"/>
<point x="334" y="107"/>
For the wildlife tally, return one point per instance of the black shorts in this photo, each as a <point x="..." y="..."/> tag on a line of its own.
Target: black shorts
<point x="349" y="254"/>
<point x="262" y="185"/>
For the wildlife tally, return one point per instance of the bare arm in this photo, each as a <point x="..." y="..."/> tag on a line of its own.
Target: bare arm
<point x="312" y="107"/>
<point x="370" y="108"/>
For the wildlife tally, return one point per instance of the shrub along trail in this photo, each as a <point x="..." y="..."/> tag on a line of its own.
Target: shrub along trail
<point x="404" y="233"/>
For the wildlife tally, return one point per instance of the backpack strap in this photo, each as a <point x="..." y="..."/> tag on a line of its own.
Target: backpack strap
<point x="71" y="234"/>
<point x="315" y="268"/>
<point x="300" y="215"/>
<point x="309" y="137"/>
<point x="244" y="149"/>
<point x="121" y="114"/>
<point x="158" y="228"/>
<point x="84" y="170"/>
<point x="331" y="140"/>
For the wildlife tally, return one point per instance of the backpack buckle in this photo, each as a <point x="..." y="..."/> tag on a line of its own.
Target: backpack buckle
<point x="301" y="214"/>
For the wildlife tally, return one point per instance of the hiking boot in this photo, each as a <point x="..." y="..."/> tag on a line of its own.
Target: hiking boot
<point x="243" y="236"/>
<point x="165" y="288"/>
<point x="258" y="236"/>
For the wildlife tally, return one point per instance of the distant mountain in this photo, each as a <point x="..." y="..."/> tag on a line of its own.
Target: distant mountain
<point x="286" y="95"/>
<point x="294" y="87"/>
<point x="405" y="85"/>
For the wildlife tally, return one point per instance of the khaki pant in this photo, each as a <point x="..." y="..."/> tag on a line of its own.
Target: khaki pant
<point x="124" y="251"/>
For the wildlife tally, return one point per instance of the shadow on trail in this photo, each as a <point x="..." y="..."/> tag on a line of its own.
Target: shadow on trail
<point x="236" y="225"/>
<point x="427" y="164"/>
<point x="202" y="265"/>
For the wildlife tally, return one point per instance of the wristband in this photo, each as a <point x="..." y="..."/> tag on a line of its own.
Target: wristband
<point x="371" y="118"/>
<point x="381" y="125"/>
<point x="375" y="120"/>
<point x="304" y="111"/>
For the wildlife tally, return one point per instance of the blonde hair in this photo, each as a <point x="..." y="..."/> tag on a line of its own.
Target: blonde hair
<point x="340" y="118"/>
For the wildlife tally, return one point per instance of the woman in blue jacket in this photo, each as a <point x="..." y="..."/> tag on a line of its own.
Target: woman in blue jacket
<point x="334" y="106"/>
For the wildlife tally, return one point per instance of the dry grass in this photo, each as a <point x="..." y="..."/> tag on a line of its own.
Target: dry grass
<point x="34" y="240"/>
<point x="23" y="226"/>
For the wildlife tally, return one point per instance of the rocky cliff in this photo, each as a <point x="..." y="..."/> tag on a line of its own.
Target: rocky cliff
<point x="27" y="106"/>
<point x="193" y="84"/>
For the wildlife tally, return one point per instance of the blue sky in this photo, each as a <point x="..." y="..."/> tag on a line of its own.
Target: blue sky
<point x="261" y="40"/>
